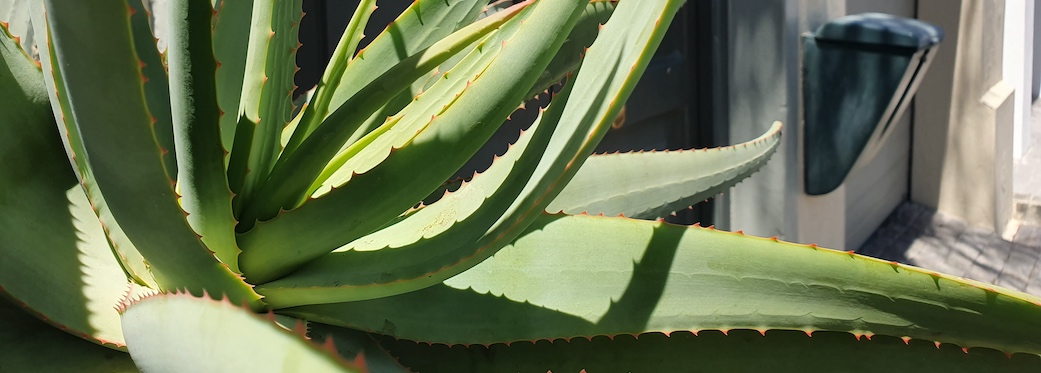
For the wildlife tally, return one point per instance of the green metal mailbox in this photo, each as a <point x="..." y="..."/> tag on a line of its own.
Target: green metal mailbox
<point x="859" y="74"/>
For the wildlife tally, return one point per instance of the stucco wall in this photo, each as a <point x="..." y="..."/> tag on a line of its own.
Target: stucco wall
<point x="962" y="151"/>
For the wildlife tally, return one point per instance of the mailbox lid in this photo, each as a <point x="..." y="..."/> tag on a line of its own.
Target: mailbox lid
<point x="882" y="30"/>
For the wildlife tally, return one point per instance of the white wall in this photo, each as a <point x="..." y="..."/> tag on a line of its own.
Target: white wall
<point x="1017" y="67"/>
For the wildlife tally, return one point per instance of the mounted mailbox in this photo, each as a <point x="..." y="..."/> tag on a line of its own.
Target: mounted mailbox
<point x="859" y="74"/>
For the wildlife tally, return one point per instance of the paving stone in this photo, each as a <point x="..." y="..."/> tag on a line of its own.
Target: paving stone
<point x="923" y="225"/>
<point x="938" y="262"/>
<point x="1018" y="267"/>
<point x="1034" y="282"/>
<point x="873" y="248"/>
<point x="989" y="263"/>
<point x="1011" y="282"/>
<point x="1028" y="235"/>
<point x="927" y="247"/>
<point x="950" y="228"/>
<point x="897" y="250"/>
<point x="960" y="258"/>
<point x="906" y="213"/>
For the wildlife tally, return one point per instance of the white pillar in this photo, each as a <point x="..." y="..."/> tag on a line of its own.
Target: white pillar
<point x="1017" y="67"/>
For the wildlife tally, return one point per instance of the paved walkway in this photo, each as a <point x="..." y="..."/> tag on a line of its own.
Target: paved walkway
<point x="917" y="235"/>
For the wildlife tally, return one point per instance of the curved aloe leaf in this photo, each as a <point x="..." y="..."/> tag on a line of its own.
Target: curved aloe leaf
<point x="230" y="45"/>
<point x="467" y="227"/>
<point x="713" y="351"/>
<point x="421" y="249"/>
<point x="318" y="105"/>
<point x="156" y="83"/>
<point x="92" y="44"/>
<point x="48" y="232"/>
<point x="31" y="345"/>
<point x="14" y="14"/>
<point x="130" y="258"/>
<point x="267" y="87"/>
<point x="421" y="110"/>
<point x="569" y="57"/>
<point x="655" y="184"/>
<point x="417" y="168"/>
<point x="290" y="181"/>
<point x="352" y="343"/>
<point x="420" y="26"/>
<point x="567" y="60"/>
<point x="574" y="276"/>
<point x="202" y="181"/>
<point x="180" y="333"/>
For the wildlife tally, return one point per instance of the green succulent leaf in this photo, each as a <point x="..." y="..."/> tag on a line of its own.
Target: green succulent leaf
<point x="93" y="45"/>
<point x="180" y="333"/>
<point x="351" y="344"/>
<point x="17" y="19"/>
<point x="421" y="25"/>
<point x="427" y="246"/>
<point x="419" y="166"/>
<point x="567" y="60"/>
<point x="650" y="185"/>
<point x="230" y="46"/>
<point x="202" y="181"/>
<point x="569" y="57"/>
<point x="54" y="257"/>
<point x="156" y="83"/>
<point x="267" y="88"/>
<point x="31" y="345"/>
<point x="289" y="183"/>
<point x="571" y="276"/>
<point x="470" y="225"/>
<point x="318" y="106"/>
<point x="712" y="351"/>
<point x="130" y="258"/>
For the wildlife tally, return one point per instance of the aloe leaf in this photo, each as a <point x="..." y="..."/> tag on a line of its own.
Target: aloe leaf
<point x="156" y="83"/>
<point x="470" y="225"/>
<point x="713" y="351"/>
<point x="267" y="89"/>
<point x="650" y="185"/>
<point x="31" y="345"/>
<point x="230" y="44"/>
<point x="420" y="110"/>
<point x="569" y="57"/>
<point x="351" y="343"/>
<point x="92" y="44"/>
<point x="289" y="182"/>
<point x="318" y="106"/>
<point x="48" y="231"/>
<point x="202" y="182"/>
<point x="180" y="333"/>
<point x="14" y="14"/>
<point x="130" y="258"/>
<point x="571" y="276"/>
<point x="422" y="24"/>
<point x="419" y="250"/>
<point x="430" y="157"/>
<point x="566" y="60"/>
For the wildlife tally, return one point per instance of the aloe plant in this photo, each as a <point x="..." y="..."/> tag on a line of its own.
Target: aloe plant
<point x="179" y="207"/>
